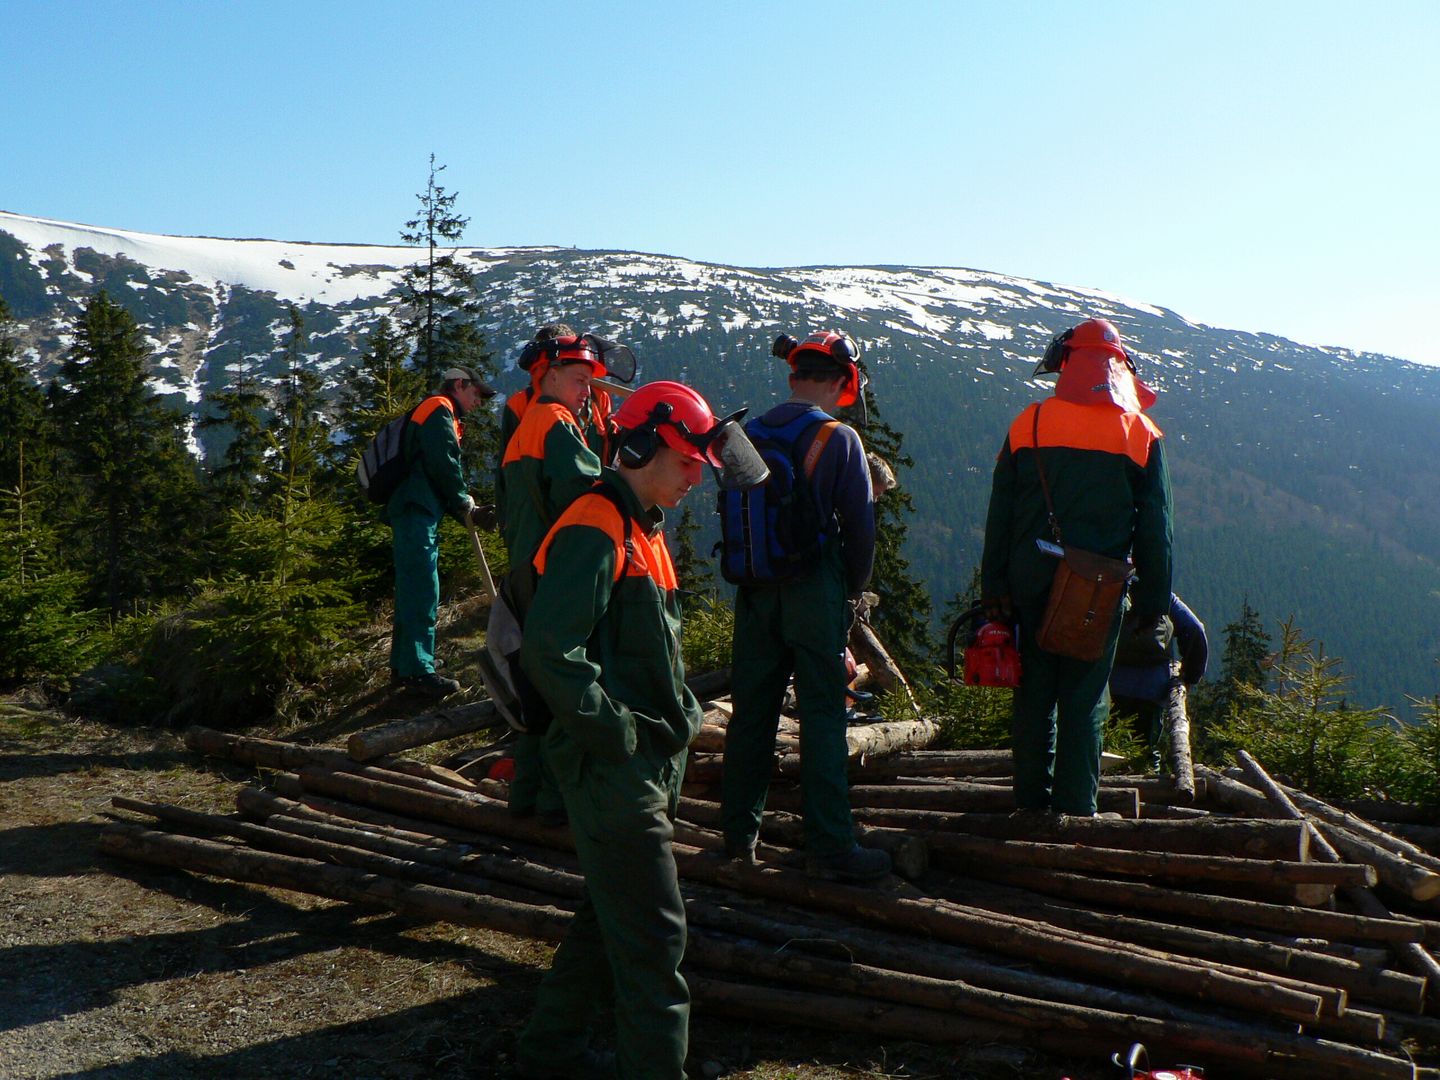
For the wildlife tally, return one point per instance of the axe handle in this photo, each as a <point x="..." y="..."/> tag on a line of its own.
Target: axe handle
<point x="618" y="389"/>
<point x="480" y="557"/>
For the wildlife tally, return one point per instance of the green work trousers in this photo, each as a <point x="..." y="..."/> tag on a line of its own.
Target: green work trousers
<point x="1058" y="726"/>
<point x="625" y="944"/>
<point x="781" y="630"/>
<point x="416" y="539"/>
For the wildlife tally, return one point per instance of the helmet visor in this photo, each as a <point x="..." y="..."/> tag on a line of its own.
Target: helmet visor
<point x="736" y="462"/>
<point x="616" y="359"/>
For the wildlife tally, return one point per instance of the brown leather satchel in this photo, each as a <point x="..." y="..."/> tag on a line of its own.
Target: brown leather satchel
<point x="1086" y="593"/>
<point x="1085" y="599"/>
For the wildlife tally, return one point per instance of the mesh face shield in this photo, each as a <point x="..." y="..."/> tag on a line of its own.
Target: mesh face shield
<point x="733" y="457"/>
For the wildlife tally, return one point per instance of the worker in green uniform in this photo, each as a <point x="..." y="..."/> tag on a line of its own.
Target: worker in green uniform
<point x="546" y="464"/>
<point x="602" y="645"/>
<point x="1104" y="463"/>
<point x="594" y="420"/>
<point x="433" y="486"/>
<point x="798" y="626"/>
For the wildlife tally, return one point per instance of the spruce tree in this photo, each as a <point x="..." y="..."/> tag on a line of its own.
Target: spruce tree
<point x="25" y="445"/>
<point x="697" y="582"/>
<point x="438" y="293"/>
<point x="1303" y="728"/>
<point x="239" y="411"/>
<point x="1243" y="664"/>
<point x="298" y="434"/>
<point x="379" y="388"/>
<point x="903" y="617"/>
<point x="441" y="315"/>
<point x="133" y="500"/>
<point x="45" y="631"/>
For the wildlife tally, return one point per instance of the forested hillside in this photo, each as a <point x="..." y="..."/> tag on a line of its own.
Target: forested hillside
<point x="1304" y="476"/>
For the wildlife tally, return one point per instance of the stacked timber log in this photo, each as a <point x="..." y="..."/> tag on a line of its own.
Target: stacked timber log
<point x="1242" y="926"/>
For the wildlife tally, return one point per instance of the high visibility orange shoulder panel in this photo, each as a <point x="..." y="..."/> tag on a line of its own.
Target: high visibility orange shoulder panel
<point x="519" y="401"/>
<point x="424" y="410"/>
<point x="648" y="556"/>
<point x="529" y="438"/>
<point x="1086" y="427"/>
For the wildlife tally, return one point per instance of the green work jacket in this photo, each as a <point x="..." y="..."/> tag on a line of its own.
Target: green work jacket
<point x="1111" y="489"/>
<point x="435" y="484"/>
<point x="594" y="424"/>
<point x="547" y="464"/>
<point x="602" y="637"/>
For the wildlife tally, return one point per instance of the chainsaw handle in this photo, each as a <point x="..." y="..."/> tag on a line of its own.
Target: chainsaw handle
<point x="1132" y="1059"/>
<point x="966" y="617"/>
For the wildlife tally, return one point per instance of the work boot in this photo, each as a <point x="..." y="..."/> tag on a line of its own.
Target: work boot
<point x="741" y="853"/>
<point x="431" y="685"/>
<point x="591" y="1065"/>
<point x="857" y="866"/>
<point x="1035" y="815"/>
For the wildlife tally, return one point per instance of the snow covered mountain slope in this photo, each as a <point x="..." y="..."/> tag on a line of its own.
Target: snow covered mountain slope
<point x="1294" y="465"/>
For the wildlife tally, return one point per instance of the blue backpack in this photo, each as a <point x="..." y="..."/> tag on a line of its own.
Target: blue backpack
<point x="772" y="534"/>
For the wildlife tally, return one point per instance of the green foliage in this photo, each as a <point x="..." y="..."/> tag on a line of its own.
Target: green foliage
<point x="696" y="578"/>
<point x="280" y="610"/>
<point x="970" y="717"/>
<point x="298" y="436"/>
<point x="238" y="411"/>
<point x="378" y="389"/>
<point x="1303" y="728"/>
<point x="134" y="505"/>
<point x="25" y="444"/>
<point x="707" y="634"/>
<point x="44" y="630"/>
<point x="1415" y="772"/>
<point x="440" y="314"/>
<point x="902" y="618"/>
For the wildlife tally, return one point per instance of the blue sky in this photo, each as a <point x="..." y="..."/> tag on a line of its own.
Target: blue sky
<point x="1259" y="165"/>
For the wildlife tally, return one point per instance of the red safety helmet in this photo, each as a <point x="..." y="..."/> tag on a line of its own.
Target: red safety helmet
<point x="831" y="345"/>
<point x="674" y="415"/>
<point x="1090" y="334"/>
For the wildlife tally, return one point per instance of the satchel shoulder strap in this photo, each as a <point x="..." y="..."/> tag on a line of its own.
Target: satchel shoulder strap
<point x="1044" y="485"/>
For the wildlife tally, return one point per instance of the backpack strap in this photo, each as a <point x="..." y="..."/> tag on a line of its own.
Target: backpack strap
<point x="607" y="492"/>
<point x="1044" y="484"/>
<point x="817" y="447"/>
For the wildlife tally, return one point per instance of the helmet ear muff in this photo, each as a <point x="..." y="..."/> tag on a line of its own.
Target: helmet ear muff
<point x="1057" y="352"/>
<point x="638" y="447"/>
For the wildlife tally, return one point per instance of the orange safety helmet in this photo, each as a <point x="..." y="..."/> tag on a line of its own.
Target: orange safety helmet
<point x="1090" y="334"/>
<point x="831" y="345"/>
<point x="1094" y="366"/>
<point x="604" y="357"/>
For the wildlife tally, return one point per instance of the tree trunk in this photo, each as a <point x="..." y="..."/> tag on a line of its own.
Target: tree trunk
<point x="961" y="852"/>
<point x="1284" y="840"/>
<point x="1286" y="919"/>
<point x="422" y="730"/>
<point x="337" y="882"/>
<point x="1261" y="1054"/>
<point x="1177" y="731"/>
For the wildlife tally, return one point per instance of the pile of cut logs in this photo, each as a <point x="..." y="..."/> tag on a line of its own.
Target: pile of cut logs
<point x="1245" y="927"/>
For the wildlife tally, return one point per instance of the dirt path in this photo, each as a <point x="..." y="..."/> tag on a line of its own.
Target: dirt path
<point x="110" y="971"/>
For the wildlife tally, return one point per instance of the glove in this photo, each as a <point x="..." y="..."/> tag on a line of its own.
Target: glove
<point x="467" y="508"/>
<point x="1145" y="641"/>
<point x="483" y="517"/>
